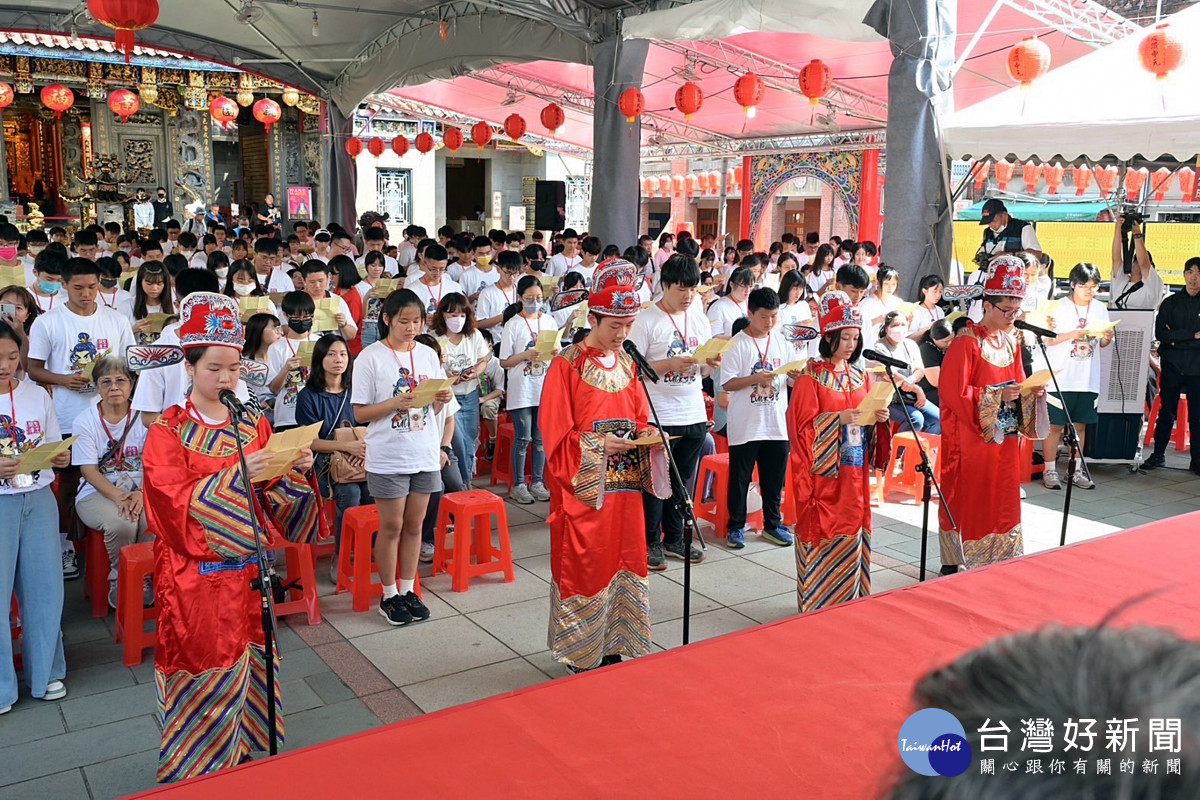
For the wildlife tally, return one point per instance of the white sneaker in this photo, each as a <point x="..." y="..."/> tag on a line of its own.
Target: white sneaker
<point x="520" y="494"/>
<point x="5" y="709"/>
<point x="540" y="492"/>
<point x="55" y="690"/>
<point x="426" y="552"/>
<point x="70" y="565"/>
<point x="1050" y="479"/>
<point x="1082" y="481"/>
<point x="1023" y="495"/>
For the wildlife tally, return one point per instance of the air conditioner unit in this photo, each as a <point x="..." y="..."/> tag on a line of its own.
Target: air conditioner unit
<point x="1125" y="366"/>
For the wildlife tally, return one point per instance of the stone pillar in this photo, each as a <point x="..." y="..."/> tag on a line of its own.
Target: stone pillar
<point x="618" y="64"/>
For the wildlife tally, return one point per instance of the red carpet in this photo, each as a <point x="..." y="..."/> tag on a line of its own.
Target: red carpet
<point x="807" y="707"/>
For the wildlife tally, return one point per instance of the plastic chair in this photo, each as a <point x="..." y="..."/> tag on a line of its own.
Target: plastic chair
<point x="716" y="511"/>
<point x="135" y="562"/>
<point x="472" y="553"/>
<point x="299" y="559"/>
<point x="1029" y="470"/>
<point x="95" y="572"/>
<point x="1180" y="433"/>
<point x="908" y="480"/>
<point x="502" y="458"/>
<point x="359" y="524"/>
<point x="326" y="547"/>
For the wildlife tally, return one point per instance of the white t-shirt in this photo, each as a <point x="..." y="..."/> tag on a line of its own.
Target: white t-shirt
<point x="757" y="413"/>
<point x="432" y="295"/>
<point x="50" y="303"/>
<point x="493" y="378"/>
<point x="407" y="251"/>
<point x="526" y="377"/>
<point x="165" y="387"/>
<point x="722" y="314"/>
<point x="874" y="311"/>
<point x="343" y="309"/>
<point x="94" y="442"/>
<point x="491" y="303"/>
<point x="68" y="343"/>
<point x="121" y="301"/>
<point x="371" y="308"/>
<point x="799" y="313"/>
<point x="390" y="265"/>
<point x="473" y="280"/>
<point x="560" y="265"/>
<point x="586" y="272"/>
<point x="1149" y="296"/>
<point x="677" y="397"/>
<point x="277" y="281"/>
<point x="285" y="400"/>
<point x="1079" y="360"/>
<point x="922" y="317"/>
<point x="458" y="357"/>
<point x="36" y="424"/>
<point x="406" y="442"/>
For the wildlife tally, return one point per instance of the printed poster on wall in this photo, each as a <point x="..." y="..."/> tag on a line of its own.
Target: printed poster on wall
<point x="299" y="202"/>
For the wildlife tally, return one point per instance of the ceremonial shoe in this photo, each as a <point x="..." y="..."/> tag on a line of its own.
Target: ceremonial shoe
<point x="1082" y="481"/>
<point x="70" y="565"/>
<point x="1050" y="479"/>
<point x="148" y="592"/>
<point x="615" y="658"/>
<point x="1155" y="461"/>
<point x="654" y="557"/>
<point x="426" y="552"/>
<point x="539" y="492"/>
<point x="675" y="550"/>
<point x="735" y="539"/>
<point x="780" y="536"/>
<point x="55" y="690"/>
<point x="393" y="610"/>
<point x="949" y="569"/>
<point x="414" y="606"/>
<point x="520" y="494"/>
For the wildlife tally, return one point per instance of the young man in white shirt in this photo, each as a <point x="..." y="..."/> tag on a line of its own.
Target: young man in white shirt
<point x="111" y="295"/>
<point x="433" y="284"/>
<point x="489" y="308"/>
<point x="85" y="245"/>
<point x="373" y="239"/>
<point x="188" y="245"/>
<point x="811" y="242"/>
<point x="757" y="418"/>
<point x="267" y="266"/>
<point x="481" y="274"/>
<point x="1142" y="271"/>
<point x="407" y="252"/>
<point x="316" y="285"/>
<point x="589" y="253"/>
<point x="321" y="241"/>
<point x="562" y="263"/>
<point x="667" y="334"/>
<point x="283" y="357"/>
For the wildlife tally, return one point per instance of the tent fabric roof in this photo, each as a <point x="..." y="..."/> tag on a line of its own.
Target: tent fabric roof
<point x="1103" y="104"/>
<point x="1069" y="211"/>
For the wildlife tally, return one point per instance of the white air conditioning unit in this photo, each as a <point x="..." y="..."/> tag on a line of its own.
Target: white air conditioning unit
<point x="1125" y="366"/>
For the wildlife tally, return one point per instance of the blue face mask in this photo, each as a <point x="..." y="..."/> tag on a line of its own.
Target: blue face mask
<point x="49" y="287"/>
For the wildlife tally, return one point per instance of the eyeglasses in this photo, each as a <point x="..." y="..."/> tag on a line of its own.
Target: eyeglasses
<point x="1009" y="313"/>
<point x="111" y="383"/>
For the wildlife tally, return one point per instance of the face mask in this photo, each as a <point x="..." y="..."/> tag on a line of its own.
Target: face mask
<point x="222" y="271"/>
<point x="531" y="306"/>
<point x="300" y="325"/>
<point x="483" y="262"/>
<point x="34" y="249"/>
<point x="456" y="324"/>
<point x="895" y="334"/>
<point x="8" y="253"/>
<point x="49" y="287"/>
<point x="109" y="283"/>
<point x="243" y="289"/>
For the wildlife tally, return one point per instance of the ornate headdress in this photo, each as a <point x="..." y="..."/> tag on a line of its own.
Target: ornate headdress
<point x="838" y="312"/>
<point x="1005" y="277"/>
<point x="614" y="289"/>
<point x="210" y="320"/>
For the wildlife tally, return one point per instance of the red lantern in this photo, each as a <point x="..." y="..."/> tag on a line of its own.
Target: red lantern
<point x="57" y="98"/>
<point x="376" y="147"/>
<point x="1054" y="177"/>
<point x="1160" y="182"/>
<point x="268" y="112"/>
<point x="6" y="95"/>
<point x="1004" y="172"/>
<point x="748" y="91"/>
<point x="737" y="175"/>
<point x="631" y="102"/>
<point x="125" y="17"/>
<point x="223" y="111"/>
<point x="646" y="189"/>
<point x="729" y="179"/>
<point x="1083" y="179"/>
<point x="124" y="104"/>
<point x="1032" y="174"/>
<point x="1028" y="60"/>
<point x="514" y="126"/>
<point x="1160" y="52"/>
<point x="691" y="183"/>
<point x="424" y="142"/>
<point x="553" y="117"/>
<point x="688" y="99"/>
<point x="1135" y="179"/>
<point x="400" y="146"/>
<point x="1106" y="179"/>
<point x="815" y="81"/>
<point x="481" y="134"/>
<point x="714" y="182"/>
<point x="452" y="137"/>
<point x="979" y="173"/>
<point x="1187" y="183"/>
<point x="354" y="146"/>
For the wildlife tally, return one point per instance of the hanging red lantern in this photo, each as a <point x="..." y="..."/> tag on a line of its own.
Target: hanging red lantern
<point x="124" y="104"/>
<point x="691" y="183"/>
<point x="815" y="81"/>
<point x="1187" y="183"/>
<point x="688" y="99"/>
<point x="1082" y="177"/>
<point x="354" y="146"/>
<point x="1160" y="182"/>
<point x="1054" y="177"/>
<point x="1135" y="179"/>
<point x="1028" y="60"/>
<point x="514" y="126"/>
<point x="452" y="137"/>
<point x="553" y="118"/>
<point x="979" y="173"/>
<point x="424" y="142"/>
<point x="6" y="95"/>
<point x="268" y="112"/>
<point x="1032" y="175"/>
<point x="646" y="189"/>
<point x="481" y="134"/>
<point x="376" y="147"/>
<point x="737" y="175"/>
<point x="125" y="17"/>
<point x="1106" y="179"/>
<point x="1004" y="173"/>
<point x="677" y="184"/>
<point x="714" y="182"/>
<point x="631" y="102"/>
<point x="729" y="180"/>
<point x="652" y="182"/>
<point x="57" y="98"/>
<point x="748" y="91"/>
<point x="400" y="146"/>
<point x="223" y="111"/>
<point x="1160" y="52"/>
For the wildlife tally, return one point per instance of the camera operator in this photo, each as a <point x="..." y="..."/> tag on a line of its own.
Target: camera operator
<point x="1177" y="329"/>
<point x="1005" y="233"/>
<point x="1141" y="269"/>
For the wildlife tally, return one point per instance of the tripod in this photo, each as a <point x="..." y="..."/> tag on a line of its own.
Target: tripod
<point x="926" y="469"/>
<point x="1074" y="451"/>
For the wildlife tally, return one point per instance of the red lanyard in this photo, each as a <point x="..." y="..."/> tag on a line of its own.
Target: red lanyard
<point x="412" y="362"/>
<point x="762" y="354"/>
<point x="11" y="426"/>
<point x="532" y="333"/>
<point x="512" y="299"/>
<point x="110" y="305"/>
<point x="1082" y="320"/>
<point x="682" y="333"/>
<point x="39" y="302"/>
<point x="118" y="458"/>
<point x="441" y="291"/>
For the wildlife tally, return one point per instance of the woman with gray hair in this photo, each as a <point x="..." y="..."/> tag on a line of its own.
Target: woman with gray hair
<point x="109" y="456"/>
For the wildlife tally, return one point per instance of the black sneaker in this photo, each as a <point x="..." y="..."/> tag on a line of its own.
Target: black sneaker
<point x="654" y="557"/>
<point x="490" y="454"/>
<point x="394" y="611"/>
<point x="1155" y="461"/>
<point x="675" y="550"/>
<point x="414" y="606"/>
<point x="609" y="660"/>
<point x="949" y="569"/>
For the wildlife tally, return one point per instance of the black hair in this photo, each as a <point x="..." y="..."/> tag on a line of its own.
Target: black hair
<point x="150" y="244"/>
<point x="1193" y="262"/>
<point x="347" y="273"/>
<point x="853" y="276"/>
<point x="242" y="266"/>
<point x="255" y="327"/>
<point x="429" y="341"/>
<point x="446" y="231"/>
<point x="266" y="245"/>
<point x="187" y="240"/>
<point x="297" y="302"/>
<point x="9" y="232"/>
<point x="435" y="252"/>
<point x="888" y="319"/>
<point x="745" y="246"/>
<point x="1083" y="272"/>
<point x="396" y="302"/>
<point x="527" y="282"/>
<point x="7" y="332"/>
<point x="173" y="224"/>
<point x="52" y="260"/>
<point x="829" y="343"/>
<point x="216" y="259"/>
<point x="741" y="276"/>
<point x="80" y="266"/>
<point x="823" y="258"/>
<point x="422" y="246"/>
<point x="940" y="330"/>
<point x="156" y="269"/>
<point x="498" y="236"/>
<point x="84" y="238"/>
<point x="508" y="260"/>
<point x="572" y="279"/>
<point x="869" y="247"/>
<point x="570" y="233"/>
<point x="762" y="298"/>
<point x="886" y="273"/>
<point x="687" y="245"/>
<point x="592" y="246"/>
<point x="680" y="270"/>
<point x="812" y="237"/>
<point x="195" y="280"/>
<point x="316" y="373"/>
<point x="928" y="282"/>
<point x="315" y="265"/>
<point x="611" y="251"/>
<point x="175" y="264"/>
<point x="450" y="304"/>
<point x="638" y="256"/>
<point x="109" y="267"/>
<point x="792" y="279"/>
<point x="480" y="241"/>
<point x="740" y="324"/>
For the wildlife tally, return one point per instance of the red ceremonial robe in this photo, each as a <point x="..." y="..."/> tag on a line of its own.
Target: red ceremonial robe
<point x="979" y="462"/>
<point x="209" y="664"/>
<point x="831" y="470"/>
<point x="600" y="597"/>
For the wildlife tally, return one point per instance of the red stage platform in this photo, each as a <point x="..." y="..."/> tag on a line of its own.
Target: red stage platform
<point x="806" y="707"/>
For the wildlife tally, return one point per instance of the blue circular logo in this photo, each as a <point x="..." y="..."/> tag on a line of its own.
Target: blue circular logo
<point x="934" y="742"/>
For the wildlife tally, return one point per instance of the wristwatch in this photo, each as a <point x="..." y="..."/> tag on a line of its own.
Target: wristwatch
<point x="1138" y="236"/>
<point x="447" y="449"/>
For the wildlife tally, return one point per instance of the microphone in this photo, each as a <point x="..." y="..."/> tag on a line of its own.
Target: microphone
<point x="1133" y="287"/>
<point x="230" y="401"/>
<point x="643" y="365"/>
<point x="1045" y="333"/>
<point x="894" y="363"/>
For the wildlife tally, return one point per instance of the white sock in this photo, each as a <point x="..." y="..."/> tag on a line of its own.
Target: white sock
<point x="406" y="586"/>
<point x="389" y="590"/>
<point x="67" y="545"/>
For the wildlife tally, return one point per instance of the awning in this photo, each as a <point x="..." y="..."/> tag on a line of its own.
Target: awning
<point x="1038" y="212"/>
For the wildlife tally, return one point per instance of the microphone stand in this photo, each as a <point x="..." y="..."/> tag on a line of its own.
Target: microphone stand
<point x="926" y="469"/>
<point x="261" y="584"/>
<point x="1073" y="449"/>
<point x="682" y="501"/>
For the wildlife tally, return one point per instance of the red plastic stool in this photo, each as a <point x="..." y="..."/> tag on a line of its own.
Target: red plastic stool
<point x="716" y="511"/>
<point x="1180" y="434"/>
<point x="299" y="559"/>
<point x="908" y="480"/>
<point x="133" y="565"/>
<point x="95" y="573"/>
<point x="359" y="524"/>
<point x="326" y="547"/>
<point x="721" y="442"/>
<point x="1029" y="470"/>
<point x="787" y="508"/>
<point x="472" y="553"/>
<point x="502" y="458"/>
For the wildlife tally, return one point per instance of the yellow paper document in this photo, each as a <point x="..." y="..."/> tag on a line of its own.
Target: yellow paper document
<point x="254" y="305"/>
<point x="711" y="349"/>
<point x="1042" y="377"/>
<point x="1097" y="329"/>
<point x="41" y="456"/>
<point x="157" y="320"/>
<point x="305" y="352"/>
<point x="786" y="368"/>
<point x="12" y="276"/>
<point x="385" y="286"/>
<point x="650" y="440"/>
<point x="548" y="342"/>
<point x="428" y="389"/>
<point x="880" y="397"/>
<point x="325" y="318"/>
<point x="285" y="449"/>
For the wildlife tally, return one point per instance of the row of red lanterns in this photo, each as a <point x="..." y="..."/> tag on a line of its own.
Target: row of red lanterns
<point x="1106" y="178"/>
<point x="59" y="98"/>
<point x="1159" y="53"/>
<point x="452" y="137"/>
<point x="225" y="111"/>
<point x="690" y="184"/>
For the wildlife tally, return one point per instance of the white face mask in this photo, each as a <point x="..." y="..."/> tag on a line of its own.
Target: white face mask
<point x="456" y="324"/>
<point x="222" y="271"/>
<point x="896" y="333"/>
<point x="243" y="289"/>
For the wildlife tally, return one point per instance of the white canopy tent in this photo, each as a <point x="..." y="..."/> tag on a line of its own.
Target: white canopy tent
<point x="1102" y="104"/>
<point x="716" y="19"/>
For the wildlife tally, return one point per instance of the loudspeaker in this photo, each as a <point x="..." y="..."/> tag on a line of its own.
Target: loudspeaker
<point x="550" y="205"/>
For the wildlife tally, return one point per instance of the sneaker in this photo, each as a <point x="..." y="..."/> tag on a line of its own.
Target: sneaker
<point x="333" y="570"/>
<point x="735" y="539"/>
<point x="55" y="690"/>
<point x="949" y="569"/>
<point x="393" y="610"/>
<point x="780" y="536"/>
<point x="1081" y="481"/>
<point x="490" y="455"/>
<point x="426" y="552"/>
<point x="611" y="659"/>
<point x="520" y="494"/>
<point x="70" y="565"/>
<point x="675" y="550"/>
<point x="1155" y="461"/>
<point x="654" y="557"/>
<point x="5" y="709"/>
<point x="1050" y="479"/>
<point x="539" y="492"/>
<point x="112" y="594"/>
<point x="147" y="593"/>
<point x="414" y="606"/>
<point x="1023" y="495"/>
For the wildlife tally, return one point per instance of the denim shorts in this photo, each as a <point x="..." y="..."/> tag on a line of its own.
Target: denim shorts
<point x="393" y="487"/>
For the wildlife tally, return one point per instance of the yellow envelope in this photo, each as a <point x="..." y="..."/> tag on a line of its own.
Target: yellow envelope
<point x="550" y="283"/>
<point x="712" y="349"/>
<point x="580" y="320"/>
<point x="548" y="342"/>
<point x="786" y="368"/>
<point x="276" y="297"/>
<point x="285" y="449"/>
<point x="157" y="320"/>
<point x="1097" y="329"/>
<point x="878" y="398"/>
<point x="41" y="456"/>
<point x="1042" y="377"/>
<point x="907" y="309"/>
<point x="428" y="389"/>
<point x="127" y="275"/>
<point x="325" y="318"/>
<point x="253" y="305"/>
<point x="12" y="276"/>
<point x="953" y="315"/>
<point x="305" y="351"/>
<point x="649" y="440"/>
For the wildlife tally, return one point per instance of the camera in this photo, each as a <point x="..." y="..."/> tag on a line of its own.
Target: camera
<point x="1131" y="215"/>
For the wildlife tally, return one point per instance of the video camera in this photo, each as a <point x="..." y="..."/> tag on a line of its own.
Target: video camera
<point x="1131" y="215"/>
